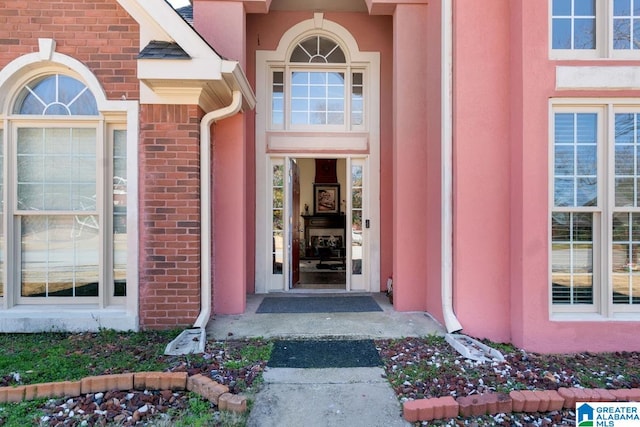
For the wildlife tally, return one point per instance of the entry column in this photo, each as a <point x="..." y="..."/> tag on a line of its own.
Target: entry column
<point x="222" y="24"/>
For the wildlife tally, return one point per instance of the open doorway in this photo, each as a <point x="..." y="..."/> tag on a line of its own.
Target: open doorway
<point x="319" y="241"/>
<point x="322" y="232"/>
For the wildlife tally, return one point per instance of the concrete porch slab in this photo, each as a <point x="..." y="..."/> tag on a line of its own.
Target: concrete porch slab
<point x="366" y="325"/>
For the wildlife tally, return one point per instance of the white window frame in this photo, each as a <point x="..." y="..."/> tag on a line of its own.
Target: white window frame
<point x="109" y="312"/>
<point x="603" y="307"/>
<point x="14" y="214"/>
<point x="348" y="69"/>
<point x="317" y="142"/>
<point x="604" y="38"/>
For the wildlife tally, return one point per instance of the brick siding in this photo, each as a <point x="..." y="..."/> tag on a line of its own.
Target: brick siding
<point x="99" y="33"/>
<point x="169" y="215"/>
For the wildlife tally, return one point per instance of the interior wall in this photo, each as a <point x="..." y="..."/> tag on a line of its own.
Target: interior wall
<point x="307" y="177"/>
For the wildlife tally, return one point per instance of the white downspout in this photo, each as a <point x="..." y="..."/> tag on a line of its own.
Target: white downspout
<point x="205" y="204"/>
<point x="193" y="340"/>
<point x="450" y="320"/>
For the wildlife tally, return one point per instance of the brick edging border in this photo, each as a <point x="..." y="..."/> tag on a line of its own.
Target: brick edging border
<point x="209" y="389"/>
<point x="515" y="401"/>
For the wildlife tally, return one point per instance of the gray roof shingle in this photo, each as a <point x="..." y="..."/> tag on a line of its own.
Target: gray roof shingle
<point x="157" y="49"/>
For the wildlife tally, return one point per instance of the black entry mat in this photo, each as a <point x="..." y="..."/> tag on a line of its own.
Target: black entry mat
<point x="324" y="354"/>
<point x="318" y="304"/>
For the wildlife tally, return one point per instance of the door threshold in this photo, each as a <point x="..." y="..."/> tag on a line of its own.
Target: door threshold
<point x="318" y="291"/>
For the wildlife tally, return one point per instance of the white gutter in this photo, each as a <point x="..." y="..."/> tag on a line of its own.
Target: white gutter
<point x="450" y="320"/>
<point x="205" y="203"/>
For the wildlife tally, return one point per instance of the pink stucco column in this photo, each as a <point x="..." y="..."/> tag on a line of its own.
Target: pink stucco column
<point x="410" y="157"/>
<point x="222" y="24"/>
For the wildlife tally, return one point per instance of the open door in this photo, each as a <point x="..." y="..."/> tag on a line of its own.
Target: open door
<point x="295" y="223"/>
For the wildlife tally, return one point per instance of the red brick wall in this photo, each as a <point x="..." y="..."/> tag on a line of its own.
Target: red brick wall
<point x="98" y="33"/>
<point x="169" y="215"/>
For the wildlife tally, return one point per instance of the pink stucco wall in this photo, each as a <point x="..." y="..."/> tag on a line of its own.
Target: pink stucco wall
<point x="373" y="33"/>
<point x="222" y="24"/>
<point x="481" y="168"/>
<point x="502" y="85"/>
<point x="411" y="98"/>
<point x="502" y="82"/>
<point x="434" y="114"/>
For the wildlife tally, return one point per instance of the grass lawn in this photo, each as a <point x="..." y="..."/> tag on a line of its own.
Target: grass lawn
<point x="415" y="367"/>
<point x="49" y="357"/>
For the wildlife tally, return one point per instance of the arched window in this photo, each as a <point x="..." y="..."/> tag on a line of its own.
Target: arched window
<point x="317" y="87"/>
<point x="56" y="95"/>
<point x="318" y="49"/>
<point x="68" y="196"/>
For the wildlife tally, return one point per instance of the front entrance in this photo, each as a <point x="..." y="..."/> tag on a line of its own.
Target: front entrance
<point x="323" y="228"/>
<point x="317" y="162"/>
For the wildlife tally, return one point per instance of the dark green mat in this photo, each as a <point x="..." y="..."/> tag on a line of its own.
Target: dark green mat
<point x="324" y="354"/>
<point x="333" y="304"/>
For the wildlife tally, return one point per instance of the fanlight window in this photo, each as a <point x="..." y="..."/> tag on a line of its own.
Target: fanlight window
<point x="318" y="49"/>
<point x="56" y="95"/>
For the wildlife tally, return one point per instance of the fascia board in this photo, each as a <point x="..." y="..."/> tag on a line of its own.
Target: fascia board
<point x="179" y="69"/>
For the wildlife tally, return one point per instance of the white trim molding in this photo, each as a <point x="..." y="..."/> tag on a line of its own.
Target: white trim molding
<point x="76" y="317"/>
<point x="595" y="77"/>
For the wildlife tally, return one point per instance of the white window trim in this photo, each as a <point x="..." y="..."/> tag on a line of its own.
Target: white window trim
<point x="364" y="139"/>
<point x="603" y="307"/>
<point x="604" y="38"/>
<point x="117" y="313"/>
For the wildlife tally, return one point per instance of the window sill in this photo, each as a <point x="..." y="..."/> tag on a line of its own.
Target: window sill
<point x="65" y="318"/>
<point x="594" y="317"/>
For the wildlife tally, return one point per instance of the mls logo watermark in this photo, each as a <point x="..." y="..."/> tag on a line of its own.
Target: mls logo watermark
<point x="608" y="414"/>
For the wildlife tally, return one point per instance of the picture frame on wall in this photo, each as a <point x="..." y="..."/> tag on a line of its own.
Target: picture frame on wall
<point x="326" y="199"/>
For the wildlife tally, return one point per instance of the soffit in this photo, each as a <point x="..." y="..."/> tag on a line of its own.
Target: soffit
<point x="319" y="5"/>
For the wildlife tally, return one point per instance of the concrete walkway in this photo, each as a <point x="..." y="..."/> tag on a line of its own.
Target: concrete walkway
<point x="344" y="397"/>
<point x="330" y="397"/>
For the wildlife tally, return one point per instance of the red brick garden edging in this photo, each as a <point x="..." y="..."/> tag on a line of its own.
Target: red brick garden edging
<point x="216" y="393"/>
<point x="516" y="401"/>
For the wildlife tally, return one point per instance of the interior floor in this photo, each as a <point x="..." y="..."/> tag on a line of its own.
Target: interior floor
<point x="316" y="274"/>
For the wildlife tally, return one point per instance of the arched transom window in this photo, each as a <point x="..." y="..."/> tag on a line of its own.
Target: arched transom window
<point x="317" y="87"/>
<point x="56" y="95"/>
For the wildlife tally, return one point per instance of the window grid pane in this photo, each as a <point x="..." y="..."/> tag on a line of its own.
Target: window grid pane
<point x="575" y="159"/>
<point x="626" y="160"/>
<point x="56" y="169"/>
<point x="277" y="223"/>
<point x="317" y="98"/>
<point x="277" y="98"/>
<point x="626" y="24"/>
<point x="60" y="256"/>
<point x="572" y="258"/>
<point x="573" y="24"/>
<point x="626" y="258"/>
<point x="119" y="213"/>
<point x="356" y="220"/>
<point x="357" y="100"/>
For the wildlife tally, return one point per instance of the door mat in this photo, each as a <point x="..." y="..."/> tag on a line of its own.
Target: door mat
<point x="318" y="304"/>
<point x="324" y="354"/>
